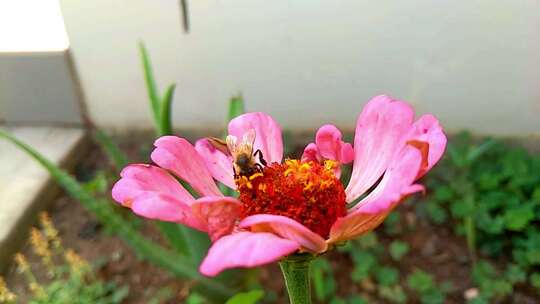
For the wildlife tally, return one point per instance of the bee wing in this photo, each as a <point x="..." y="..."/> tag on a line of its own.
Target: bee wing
<point x="248" y="140"/>
<point x="219" y="144"/>
<point x="232" y="144"/>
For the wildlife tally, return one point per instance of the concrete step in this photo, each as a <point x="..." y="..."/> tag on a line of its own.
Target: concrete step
<point x="25" y="187"/>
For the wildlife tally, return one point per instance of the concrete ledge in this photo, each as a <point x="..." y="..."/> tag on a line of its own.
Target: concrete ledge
<point x="25" y="187"/>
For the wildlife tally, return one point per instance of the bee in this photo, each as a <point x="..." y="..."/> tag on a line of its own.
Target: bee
<point x="244" y="159"/>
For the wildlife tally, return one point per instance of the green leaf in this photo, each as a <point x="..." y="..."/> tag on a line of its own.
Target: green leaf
<point x="462" y="208"/>
<point x="195" y="298"/>
<point x="535" y="280"/>
<point x="398" y="249"/>
<point x="356" y="299"/>
<point x="364" y="262"/>
<point x="518" y="218"/>
<point x="478" y="151"/>
<point x="514" y="274"/>
<point x="443" y="193"/>
<point x="317" y="279"/>
<point x="118" y="158"/>
<point x="174" y="234"/>
<point x="436" y="213"/>
<point x="392" y="223"/>
<point x="387" y="276"/>
<point x="103" y="211"/>
<point x="165" y="115"/>
<point x="338" y="300"/>
<point x="420" y="281"/>
<point x="98" y="184"/>
<point x="236" y="107"/>
<point x="322" y="279"/>
<point x="394" y="294"/>
<point x="250" y="297"/>
<point x="483" y="271"/>
<point x="432" y="296"/>
<point x="150" y="83"/>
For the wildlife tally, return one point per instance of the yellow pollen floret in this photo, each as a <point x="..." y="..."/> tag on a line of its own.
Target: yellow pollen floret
<point x="305" y="166"/>
<point x="288" y="171"/>
<point x="255" y="175"/>
<point x="308" y="186"/>
<point x="243" y="180"/>
<point x="330" y="164"/>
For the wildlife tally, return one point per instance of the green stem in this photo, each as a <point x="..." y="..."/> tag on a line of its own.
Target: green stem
<point x="295" y="271"/>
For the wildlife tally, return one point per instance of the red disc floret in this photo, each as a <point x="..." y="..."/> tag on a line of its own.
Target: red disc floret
<point x="307" y="192"/>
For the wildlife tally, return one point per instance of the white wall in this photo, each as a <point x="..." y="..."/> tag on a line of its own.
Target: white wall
<point x="475" y="64"/>
<point x="36" y="79"/>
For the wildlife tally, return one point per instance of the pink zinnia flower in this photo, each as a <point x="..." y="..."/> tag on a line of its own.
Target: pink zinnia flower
<point x="291" y="206"/>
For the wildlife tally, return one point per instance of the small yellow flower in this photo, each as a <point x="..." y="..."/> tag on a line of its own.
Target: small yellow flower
<point x="6" y="296"/>
<point x="51" y="233"/>
<point x="76" y="263"/>
<point x="21" y="261"/>
<point x="40" y="244"/>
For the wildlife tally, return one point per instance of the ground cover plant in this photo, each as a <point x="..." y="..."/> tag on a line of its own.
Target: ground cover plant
<point x="68" y="277"/>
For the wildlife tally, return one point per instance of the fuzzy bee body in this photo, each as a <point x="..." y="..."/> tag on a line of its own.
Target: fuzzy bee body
<point x="244" y="159"/>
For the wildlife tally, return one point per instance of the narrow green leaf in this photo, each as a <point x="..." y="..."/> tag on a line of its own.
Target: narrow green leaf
<point x="236" y="107"/>
<point x="150" y="82"/>
<point x="103" y="210"/>
<point x="250" y="297"/>
<point x="476" y="152"/>
<point x="165" y="121"/>
<point x="112" y="150"/>
<point x="174" y="234"/>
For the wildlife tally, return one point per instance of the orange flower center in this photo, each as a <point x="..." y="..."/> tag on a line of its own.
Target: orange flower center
<point x="307" y="192"/>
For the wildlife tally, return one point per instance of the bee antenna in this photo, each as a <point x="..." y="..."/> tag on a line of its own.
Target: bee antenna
<point x="261" y="158"/>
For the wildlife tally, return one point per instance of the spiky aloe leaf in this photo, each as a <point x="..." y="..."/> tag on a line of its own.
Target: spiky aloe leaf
<point x="118" y="158"/>
<point x="236" y="107"/>
<point x="150" y="83"/>
<point x="165" y="115"/>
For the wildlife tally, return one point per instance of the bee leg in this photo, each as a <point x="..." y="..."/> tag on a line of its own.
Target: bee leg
<point x="235" y="174"/>
<point x="259" y="168"/>
<point x="261" y="159"/>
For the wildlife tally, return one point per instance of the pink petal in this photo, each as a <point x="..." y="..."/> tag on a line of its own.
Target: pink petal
<point x="245" y="249"/>
<point x="139" y="178"/>
<point x="286" y="228"/>
<point x="379" y="133"/>
<point x="179" y="156"/>
<point x="331" y="146"/>
<point x="396" y="184"/>
<point x="268" y="134"/>
<point x="153" y="193"/>
<point x="311" y="153"/>
<point x="427" y="129"/>
<point x="218" y="163"/>
<point x="165" y="208"/>
<point x="218" y="213"/>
